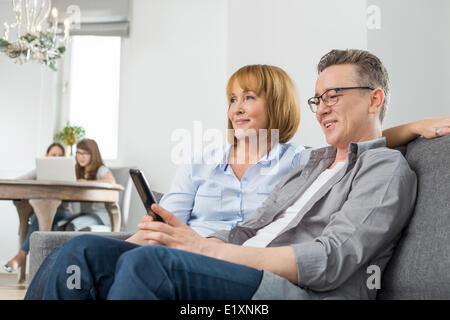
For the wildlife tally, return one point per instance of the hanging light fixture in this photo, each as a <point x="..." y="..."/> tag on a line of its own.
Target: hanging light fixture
<point x="34" y="36"/>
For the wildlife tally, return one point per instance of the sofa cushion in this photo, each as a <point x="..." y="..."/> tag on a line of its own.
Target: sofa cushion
<point x="42" y="242"/>
<point x="420" y="266"/>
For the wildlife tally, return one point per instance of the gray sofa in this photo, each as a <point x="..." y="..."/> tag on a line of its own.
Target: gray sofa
<point x="420" y="267"/>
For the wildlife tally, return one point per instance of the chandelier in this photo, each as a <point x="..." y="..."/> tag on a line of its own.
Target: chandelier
<point x="35" y="36"/>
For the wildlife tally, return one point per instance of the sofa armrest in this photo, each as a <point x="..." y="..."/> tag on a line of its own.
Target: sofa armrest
<point x="42" y="242"/>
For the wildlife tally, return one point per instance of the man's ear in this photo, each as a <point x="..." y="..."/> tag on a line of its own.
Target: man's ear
<point x="376" y="100"/>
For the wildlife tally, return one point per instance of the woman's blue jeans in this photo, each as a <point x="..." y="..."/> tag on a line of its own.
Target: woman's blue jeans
<point x="34" y="226"/>
<point x="94" y="267"/>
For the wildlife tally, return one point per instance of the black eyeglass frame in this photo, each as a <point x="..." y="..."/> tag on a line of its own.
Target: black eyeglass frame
<point x="310" y="103"/>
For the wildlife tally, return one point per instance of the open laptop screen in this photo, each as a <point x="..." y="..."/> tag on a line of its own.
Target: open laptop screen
<point x="55" y="169"/>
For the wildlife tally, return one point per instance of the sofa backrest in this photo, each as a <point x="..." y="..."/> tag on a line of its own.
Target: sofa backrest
<point x="122" y="176"/>
<point x="420" y="266"/>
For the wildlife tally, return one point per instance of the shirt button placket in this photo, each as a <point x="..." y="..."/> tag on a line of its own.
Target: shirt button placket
<point x="239" y="195"/>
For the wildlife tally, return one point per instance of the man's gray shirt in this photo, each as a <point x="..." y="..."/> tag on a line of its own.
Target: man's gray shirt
<point x="352" y="222"/>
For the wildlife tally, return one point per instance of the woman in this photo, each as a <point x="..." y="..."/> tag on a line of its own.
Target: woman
<point x="54" y="150"/>
<point x="89" y="167"/>
<point x="221" y="195"/>
<point x="212" y="197"/>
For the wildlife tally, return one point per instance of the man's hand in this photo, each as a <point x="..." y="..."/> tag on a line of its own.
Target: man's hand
<point x="138" y="237"/>
<point x="174" y="233"/>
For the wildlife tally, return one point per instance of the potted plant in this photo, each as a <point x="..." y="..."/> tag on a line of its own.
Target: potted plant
<point x="70" y="135"/>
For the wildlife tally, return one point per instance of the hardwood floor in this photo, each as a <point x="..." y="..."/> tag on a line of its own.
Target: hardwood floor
<point x="10" y="289"/>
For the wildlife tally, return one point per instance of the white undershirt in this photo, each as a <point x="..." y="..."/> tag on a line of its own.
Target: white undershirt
<point x="267" y="234"/>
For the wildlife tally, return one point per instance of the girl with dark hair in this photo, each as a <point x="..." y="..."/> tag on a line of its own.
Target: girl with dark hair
<point x="56" y="148"/>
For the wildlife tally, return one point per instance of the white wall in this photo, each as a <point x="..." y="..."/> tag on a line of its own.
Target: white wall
<point x="173" y="73"/>
<point x="26" y="118"/>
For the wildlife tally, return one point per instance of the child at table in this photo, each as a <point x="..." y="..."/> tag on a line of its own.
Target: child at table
<point x="89" y="167"/>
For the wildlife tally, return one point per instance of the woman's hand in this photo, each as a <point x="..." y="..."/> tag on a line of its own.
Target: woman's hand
<point x="82" y="180"/>
<point x="433" y="128"/>
<point x="174" y="233"/>
<point x="429" y="128"/>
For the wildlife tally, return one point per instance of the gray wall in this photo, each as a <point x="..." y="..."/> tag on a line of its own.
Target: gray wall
<point x="414" y="44"/>
<point x="294" y="35"/>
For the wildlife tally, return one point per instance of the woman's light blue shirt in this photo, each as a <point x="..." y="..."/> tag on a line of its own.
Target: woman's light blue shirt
<point x="209" y="197"/>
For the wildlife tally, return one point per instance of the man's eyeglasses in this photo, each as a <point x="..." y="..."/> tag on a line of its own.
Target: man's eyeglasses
<point x="330" y="97"/>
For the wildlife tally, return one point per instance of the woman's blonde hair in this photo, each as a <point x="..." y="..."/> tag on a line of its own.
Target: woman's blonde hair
<point x="277" y="88"/>
<point x="90" y="171"/>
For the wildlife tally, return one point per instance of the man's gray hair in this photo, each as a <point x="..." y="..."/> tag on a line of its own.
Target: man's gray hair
<point x="370" y="69"/>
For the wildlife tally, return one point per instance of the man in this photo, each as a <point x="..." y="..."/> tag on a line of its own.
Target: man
<point x="314" y="237"/>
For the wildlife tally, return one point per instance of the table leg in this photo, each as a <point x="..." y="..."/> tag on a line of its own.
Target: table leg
<point x="45" y="210"/>
<point x="114" y="215"/>
<point x="25" y="211"/>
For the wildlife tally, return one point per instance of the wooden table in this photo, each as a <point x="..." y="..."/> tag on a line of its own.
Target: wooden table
<point x="44" y="197"/>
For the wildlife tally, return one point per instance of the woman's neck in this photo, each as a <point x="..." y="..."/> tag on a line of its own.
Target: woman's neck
<point x="245" y="152"/>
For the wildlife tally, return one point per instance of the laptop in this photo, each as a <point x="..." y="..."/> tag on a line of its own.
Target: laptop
<point x="56" y="169"/>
